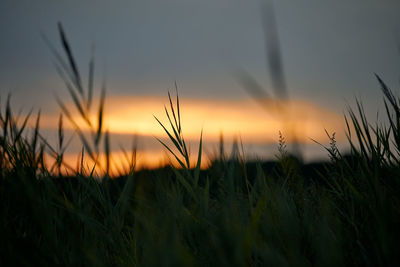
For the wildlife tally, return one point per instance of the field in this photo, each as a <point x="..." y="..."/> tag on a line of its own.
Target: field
<point x="344" y="212"/>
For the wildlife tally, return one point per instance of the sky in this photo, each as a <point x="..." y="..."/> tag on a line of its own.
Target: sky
<point x="330" y="51"/>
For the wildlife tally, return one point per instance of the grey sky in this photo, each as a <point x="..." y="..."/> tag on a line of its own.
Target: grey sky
<point x="330" y="48"/>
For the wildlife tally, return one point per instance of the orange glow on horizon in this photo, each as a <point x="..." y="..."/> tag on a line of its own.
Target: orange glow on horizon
<point x="233" y="118"/>
<point x="119" y="163"/>
<point x="241" y="118"/>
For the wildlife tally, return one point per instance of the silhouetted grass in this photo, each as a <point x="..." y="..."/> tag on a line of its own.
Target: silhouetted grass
<point x="236" y="213"/>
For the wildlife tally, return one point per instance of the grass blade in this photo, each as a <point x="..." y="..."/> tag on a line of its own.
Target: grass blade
<point x="78" y="105"/>
<point x="197" y="169"/>
<point x="170" y="136"/>
<point x="185" y="184"/>
<point x="176" y="157"/>
<point x="178" y="109"/>
<point x="71" y="59"/>
<point x="173" y="112"/>
<point x="100" y="117"/>
<point x="177" y="137"/>
<point x="107" y="151"/>
<point x="60" y="132"/>
<point x="35" y="134"/>
<point x="90" y="82"/>
<point x="20" y="131"/>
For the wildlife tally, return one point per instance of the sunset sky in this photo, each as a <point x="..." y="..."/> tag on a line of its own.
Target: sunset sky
<point x="330" y="51"/>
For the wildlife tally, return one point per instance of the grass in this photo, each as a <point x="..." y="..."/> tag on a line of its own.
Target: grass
<point x="345" y="212"/>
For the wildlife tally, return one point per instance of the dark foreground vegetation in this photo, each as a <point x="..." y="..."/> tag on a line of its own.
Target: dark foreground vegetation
<point x="345" y="212"/>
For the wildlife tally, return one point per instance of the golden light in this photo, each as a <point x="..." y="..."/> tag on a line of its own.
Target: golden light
<point x="297" y="120"/>
<point x="241" y="117"/>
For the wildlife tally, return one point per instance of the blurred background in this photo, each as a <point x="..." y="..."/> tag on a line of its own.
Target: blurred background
<point x="328" y="51"/>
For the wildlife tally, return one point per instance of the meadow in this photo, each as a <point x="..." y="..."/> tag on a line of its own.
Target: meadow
<point x="342" y="212"/>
